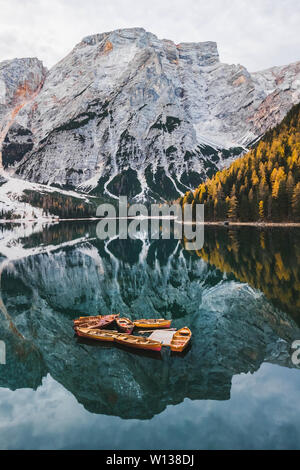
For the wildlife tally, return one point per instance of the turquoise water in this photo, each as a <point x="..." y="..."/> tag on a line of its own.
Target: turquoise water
<point x="235" y="388"/>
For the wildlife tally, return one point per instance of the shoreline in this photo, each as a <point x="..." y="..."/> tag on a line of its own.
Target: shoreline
<point x="86" y="219"/>
<point x="93" y="219"/>
<point x="255" y="224"/>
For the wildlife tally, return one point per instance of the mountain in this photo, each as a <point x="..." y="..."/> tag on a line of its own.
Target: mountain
<point x="262" y="185"/>
<point x="128" y="113"/>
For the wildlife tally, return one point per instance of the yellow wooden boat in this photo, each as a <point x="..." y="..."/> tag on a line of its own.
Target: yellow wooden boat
<point x="99" y="321"/>
<point x="181" y="339"/>
<point x="137" y="342"/>
<point x="99" y="335"/>
<point x="153" y="323"/>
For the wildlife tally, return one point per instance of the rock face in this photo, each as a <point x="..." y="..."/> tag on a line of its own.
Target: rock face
<point x="20" y="82"/>
<point x="127" y="113"/>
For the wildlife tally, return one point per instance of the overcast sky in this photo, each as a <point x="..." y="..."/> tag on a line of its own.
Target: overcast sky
<point x="255" y="33"/>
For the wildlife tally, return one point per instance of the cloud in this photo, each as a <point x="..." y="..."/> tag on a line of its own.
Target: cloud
<point x="257" y="34"/>
<point x="263" y="413"/>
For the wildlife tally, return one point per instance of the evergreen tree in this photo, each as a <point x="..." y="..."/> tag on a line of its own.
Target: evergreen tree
<point x="262" y="182"/>
<point x="261" y="210"/>
<point x="296" y="202"/>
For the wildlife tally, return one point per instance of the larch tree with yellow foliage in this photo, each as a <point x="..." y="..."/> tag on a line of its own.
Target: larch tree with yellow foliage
<point x="264" y="184"/>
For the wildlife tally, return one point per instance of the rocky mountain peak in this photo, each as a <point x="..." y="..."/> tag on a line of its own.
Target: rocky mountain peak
<point x="19" y="77"/>
<point x="127" y="113"/>
<point x="127" y="34"/>
<point x="205" y="53"/>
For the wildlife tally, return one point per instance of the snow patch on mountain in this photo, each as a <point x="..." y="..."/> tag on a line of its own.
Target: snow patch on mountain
<point x="13" y="205"/>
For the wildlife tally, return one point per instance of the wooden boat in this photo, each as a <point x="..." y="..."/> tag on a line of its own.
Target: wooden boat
<point x="181" y="339"/>
<point x="156" y="323"/>
<point x="100" y="321"/>
<point x="125" y="325"/>
<point x="99" y="335"/>
<point x="138" y="342"/>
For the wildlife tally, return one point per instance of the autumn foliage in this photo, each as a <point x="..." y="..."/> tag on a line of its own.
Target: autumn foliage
<point x="263" y="185"/>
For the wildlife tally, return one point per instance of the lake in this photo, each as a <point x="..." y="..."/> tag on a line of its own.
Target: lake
<point x="236" y="387"/>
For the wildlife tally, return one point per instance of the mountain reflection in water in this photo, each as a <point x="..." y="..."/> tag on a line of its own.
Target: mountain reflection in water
<point x="239" y="295"/>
